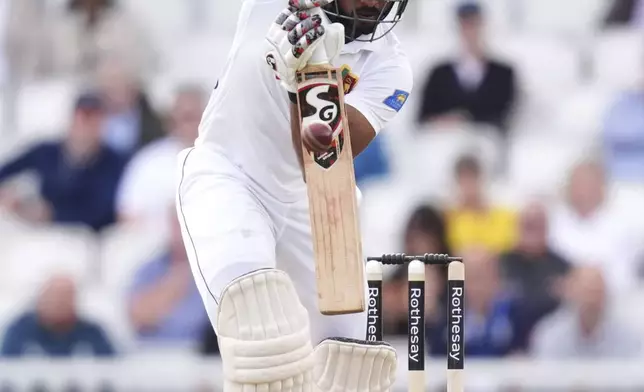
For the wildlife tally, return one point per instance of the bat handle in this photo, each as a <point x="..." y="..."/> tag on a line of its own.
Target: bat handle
<point x="320" y="56"/>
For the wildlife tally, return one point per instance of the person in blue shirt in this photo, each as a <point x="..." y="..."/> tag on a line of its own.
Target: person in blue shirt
<point x="165" y="306"/>
<point x="54" y="329"/>
<point x="78" y="175"/>
<point x="623" y="137"/>
<point x="495" y="324"/>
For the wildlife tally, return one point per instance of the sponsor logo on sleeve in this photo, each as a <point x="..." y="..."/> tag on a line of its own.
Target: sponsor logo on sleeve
<point x="397" y="100"/>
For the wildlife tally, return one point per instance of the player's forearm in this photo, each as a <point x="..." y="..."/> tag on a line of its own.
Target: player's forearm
<point x="362" y="133"/>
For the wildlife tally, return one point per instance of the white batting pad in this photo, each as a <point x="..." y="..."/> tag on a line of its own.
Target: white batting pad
<point x="354" y="365"/>
<point x="264" y="335"/>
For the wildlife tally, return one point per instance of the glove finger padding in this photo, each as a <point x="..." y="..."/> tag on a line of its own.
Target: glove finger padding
<point x="304" y="48"/>
<point x="354" y="365"/>
<point x="308" y="4"/>
<point x="281" y="18"/>
<point x="293" y="20"/>
<point x="302" y="27"/>
<point x="294" y="37"/>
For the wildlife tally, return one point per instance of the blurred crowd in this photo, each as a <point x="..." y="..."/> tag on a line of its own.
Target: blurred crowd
<point x="540" y="281"/>
<point x="543" y="279"/>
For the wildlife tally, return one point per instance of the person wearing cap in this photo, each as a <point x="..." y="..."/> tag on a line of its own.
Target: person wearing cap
<point x="78" y="175"/>
<point x="472" y="87"/>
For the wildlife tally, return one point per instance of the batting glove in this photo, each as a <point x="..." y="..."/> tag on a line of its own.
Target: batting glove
<point x="295" y="35"/>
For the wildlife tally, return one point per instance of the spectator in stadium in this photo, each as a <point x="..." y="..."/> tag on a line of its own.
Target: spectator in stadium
<point x="495" y="325"/>
<point x="88" y="32"/>
<point x="622" y="13"/>
<point x="473" y="87"/>
<point x="623" y="139"/>
<point x="148" y="186"/>
<point x="165" y="307"/>
<point x="589" y="228"/>
<point x="424" y="233"/>
<point x="587" y="325"/>
<point x="131" y="121"/>
<point x="474" y="221"/>
<point x="54" y="328"/>
<point x="532" y="271"/>
<point x="78" y="175"/>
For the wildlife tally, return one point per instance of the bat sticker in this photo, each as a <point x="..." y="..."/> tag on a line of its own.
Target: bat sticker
<point x="320" y="102"/>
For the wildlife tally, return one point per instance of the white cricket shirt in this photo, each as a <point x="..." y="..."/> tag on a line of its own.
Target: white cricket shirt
<point x="248" y="118"/>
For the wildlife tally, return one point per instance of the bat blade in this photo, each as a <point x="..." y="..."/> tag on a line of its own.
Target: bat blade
<point x="330" y="181"/>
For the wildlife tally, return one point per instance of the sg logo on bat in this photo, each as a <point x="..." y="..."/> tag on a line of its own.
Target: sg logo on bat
<point x="320" y="102"/>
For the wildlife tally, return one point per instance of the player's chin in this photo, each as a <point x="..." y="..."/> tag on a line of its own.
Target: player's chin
<point x="365" y="27"/>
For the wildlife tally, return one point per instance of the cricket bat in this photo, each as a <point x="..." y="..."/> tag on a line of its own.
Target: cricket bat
<point x="331" y="186"/>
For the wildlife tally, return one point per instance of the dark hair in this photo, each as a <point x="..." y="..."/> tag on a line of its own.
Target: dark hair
<point x="467" y="164"/>
<point x="468" y="9"/>
<point x="429" y="220"/>
<point x="74" y="5"/>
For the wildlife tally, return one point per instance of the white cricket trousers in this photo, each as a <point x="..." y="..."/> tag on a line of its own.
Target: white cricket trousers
<point x="231" y="227"/>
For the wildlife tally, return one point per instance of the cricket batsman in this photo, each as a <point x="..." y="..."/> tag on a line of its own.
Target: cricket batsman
<point x="242" y="200"/>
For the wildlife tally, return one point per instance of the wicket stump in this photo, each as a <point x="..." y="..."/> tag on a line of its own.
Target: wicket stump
<point x="416" y="314"/>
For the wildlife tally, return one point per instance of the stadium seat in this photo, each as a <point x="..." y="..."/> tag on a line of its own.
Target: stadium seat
<point x="161" y="89"/>
<point x="430" y="155"/>
<point x="9" y="226"/>
<point x="31" y="254"/>
<point x="562" y="17"/>
<point x="582" y="114"/>
<point x="538" y="163"/>
<point x="545" y="63"/>
<point x="123" y="249"/>
<point x="43" y="109"/>
<point x="199" y="57"/>
<point x="547" y="72"/>
<point x="10" y="145"/>
<point x="423" y="58"/>
<point x="618" y="59"/>
<point x="438" y="17"/>
<point x="161" y="19"/>
<point x="629" y="197"/>
<point x="628" y="306"/>
<point x="384" y="210"/>
<point x="4" y="131"/>
<point x="503" y="193"/>
<point x="100" y="305"/>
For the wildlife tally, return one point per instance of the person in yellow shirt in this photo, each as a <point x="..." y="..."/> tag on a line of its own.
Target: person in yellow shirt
<point x="473" y="222"/>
